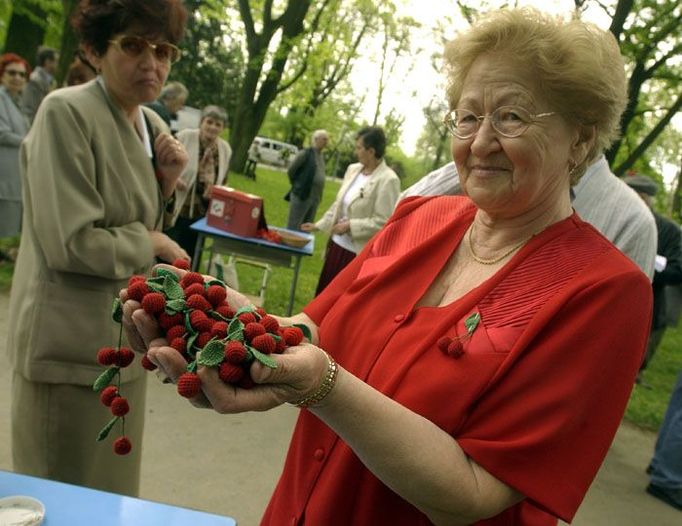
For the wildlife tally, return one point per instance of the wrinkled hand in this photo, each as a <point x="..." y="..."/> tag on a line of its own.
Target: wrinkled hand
<point x="165" y="248"/>
<point x="341" y="227"/>
<point x="309" y="227"/>
<point x="171" y="159"/>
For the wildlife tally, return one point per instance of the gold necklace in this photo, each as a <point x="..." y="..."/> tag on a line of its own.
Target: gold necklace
<point x="492" y="261"/>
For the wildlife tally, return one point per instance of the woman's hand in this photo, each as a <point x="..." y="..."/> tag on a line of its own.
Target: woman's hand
<point x="165" y="248"/>
<point x="171" y="159"/>
<point x="341" y="227"/>
<point x="309" y="227"/>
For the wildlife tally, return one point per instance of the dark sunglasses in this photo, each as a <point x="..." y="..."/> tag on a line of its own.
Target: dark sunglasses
<point x="15" y="73"/>
<point x="134" y="47"/>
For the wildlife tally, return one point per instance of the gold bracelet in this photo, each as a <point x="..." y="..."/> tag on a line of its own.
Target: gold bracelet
<point x="325" y="387"/>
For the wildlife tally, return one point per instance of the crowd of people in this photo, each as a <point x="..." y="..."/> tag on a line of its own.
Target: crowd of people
<point x="486" y="301"/>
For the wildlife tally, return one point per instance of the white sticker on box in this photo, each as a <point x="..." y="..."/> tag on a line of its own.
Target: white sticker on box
<point x="255" y="212"/>
<point x="217" y="208"/>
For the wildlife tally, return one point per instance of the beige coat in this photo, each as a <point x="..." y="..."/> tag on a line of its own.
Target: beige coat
<point x="369" y="211"/>
<point x="90" y="199"/>
<point x="190" y="139"/>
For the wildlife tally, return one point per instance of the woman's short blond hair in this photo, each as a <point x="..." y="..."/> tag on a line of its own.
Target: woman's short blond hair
<point x="577" y="65"/>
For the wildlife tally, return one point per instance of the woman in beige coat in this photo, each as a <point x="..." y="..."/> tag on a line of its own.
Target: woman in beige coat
<point x="99" y="173"/>
<point x="362" y="206"/>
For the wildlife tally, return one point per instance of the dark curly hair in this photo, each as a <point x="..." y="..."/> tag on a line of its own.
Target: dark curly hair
<point x="373" y="137"/>
<point x="97" y="21"/>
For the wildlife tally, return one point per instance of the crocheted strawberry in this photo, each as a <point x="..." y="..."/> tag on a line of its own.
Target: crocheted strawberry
<point x="106" y="356"/>
<point x="181" y="264"/>
<point x="216" y="294"/>
<point x="147" y="363"/>
<point x="124" y="357"/>
<point x="176" y="331"/>
<point x="198" y="302"/>
<point x="119" y="406"/>
<point x="253" y="329"/>
<point x="166" y="321"/>
<point x="292" y="335"/>
<point x="271" y="324"/>
<point x="191" y="277"/>
<point x="154" y="303"/>
<point x="247" y="317"/>
<point x="137" y="290"/>
<point x="230" y="373"/>
<point x="219" y="330"/>
<point x="189" y="385"/>
<point x="200" y="321"/>
<point x="235" y="352"/>
<point x="225" y="311"/>
<point x="122" y="446"/>
<point x="195" y="288"/>
<point x="108" y="394"/>
<point x="264" y="343"/>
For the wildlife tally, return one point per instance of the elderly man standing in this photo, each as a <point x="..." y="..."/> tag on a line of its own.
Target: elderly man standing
<point x="40" y="82"/>
<point x="307" y="175"/>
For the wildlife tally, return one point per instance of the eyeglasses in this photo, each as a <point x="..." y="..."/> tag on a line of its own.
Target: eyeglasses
<point x="134" y="46"/>
<point x="16" y="73"/>
<point x="508" y="121"/>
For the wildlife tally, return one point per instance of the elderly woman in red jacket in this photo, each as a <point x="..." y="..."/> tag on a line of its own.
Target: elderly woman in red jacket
<point x="473" y="362"/>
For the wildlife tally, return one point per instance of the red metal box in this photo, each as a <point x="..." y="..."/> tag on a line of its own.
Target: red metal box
<point x="234" y="211"/>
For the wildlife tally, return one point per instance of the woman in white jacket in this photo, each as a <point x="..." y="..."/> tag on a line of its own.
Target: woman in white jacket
<point x="209" y="159"/>
<point x="363" y="204"/>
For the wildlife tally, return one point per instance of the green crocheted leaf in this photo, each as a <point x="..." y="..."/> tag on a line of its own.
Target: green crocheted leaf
<point x="107" y="429"/>
<point x="246" y="308"/>
<point x="190" y="342"/>
<point x="172" y="289"/>
<point x="155" y="286"/>
<point x="214" y="281"/>
<point x="192" y="366"/>
<point x="163" y="273"/>
<point x="212" y="354"/>
<point x="472" y="322"/>
<point x="305" y="330"/>
<point x="105" y="378"/>
<point x="235" y="330"/>
<point x="174" y="306"/>
<point x="265" y="359"/>
<point x="117" y="310"/>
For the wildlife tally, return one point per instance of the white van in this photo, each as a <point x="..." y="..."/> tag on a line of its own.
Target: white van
<point x="270" y="151"/>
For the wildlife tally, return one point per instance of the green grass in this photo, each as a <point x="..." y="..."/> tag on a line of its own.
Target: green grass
<point x="645" y="409"/>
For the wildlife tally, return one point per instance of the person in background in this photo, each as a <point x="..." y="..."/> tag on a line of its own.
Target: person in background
<point x="14" y="125"/>
<point x="599" y="197"/>
<point x="80" y="70"/>
<point x="665" y="470"/>
<point x="172" y="99"/>
<point x="668" y="264"/>
<point x="209" y="159"/>
<point x="307" y="177"/>
<point x="41" y="80"/>
<point x="99" y="173"/>
<point x="363" y="204"/>
<point x="456" y="369"/>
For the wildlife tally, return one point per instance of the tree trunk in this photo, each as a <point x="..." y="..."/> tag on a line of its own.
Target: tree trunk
<point x="69" y="43"/>
<point x="24" y="33"/>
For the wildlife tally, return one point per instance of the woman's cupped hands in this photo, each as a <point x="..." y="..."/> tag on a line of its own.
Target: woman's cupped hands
<point x="298" y="372"/>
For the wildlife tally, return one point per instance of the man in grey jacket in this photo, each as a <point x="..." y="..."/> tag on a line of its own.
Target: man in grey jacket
<point x="40" y="82"/>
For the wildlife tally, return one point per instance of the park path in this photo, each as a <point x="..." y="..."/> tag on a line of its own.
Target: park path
<point x="230" y="464"/>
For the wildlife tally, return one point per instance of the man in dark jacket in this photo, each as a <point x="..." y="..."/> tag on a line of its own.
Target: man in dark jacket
<point x="668" y="266"/>
<point x="307" y="175"/>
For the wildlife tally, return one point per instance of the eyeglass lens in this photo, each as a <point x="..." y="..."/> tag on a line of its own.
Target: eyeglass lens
<point x="15" y="73"/>
<point x="135" y="46"/>
<point x="509" y="121"/>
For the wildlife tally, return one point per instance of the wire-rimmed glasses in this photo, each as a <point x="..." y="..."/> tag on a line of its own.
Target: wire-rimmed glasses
<point x="508" y="121"/>
<point x="134" y="46"/>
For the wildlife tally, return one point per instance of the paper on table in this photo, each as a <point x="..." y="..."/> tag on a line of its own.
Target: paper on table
<point x="660" y="263"/>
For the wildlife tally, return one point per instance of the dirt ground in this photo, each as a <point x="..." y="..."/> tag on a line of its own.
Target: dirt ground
<point x="238" y="458"/>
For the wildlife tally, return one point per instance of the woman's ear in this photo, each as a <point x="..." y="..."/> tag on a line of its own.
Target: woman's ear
<point x="92" y="56"/>
<point x="583" y="143"/>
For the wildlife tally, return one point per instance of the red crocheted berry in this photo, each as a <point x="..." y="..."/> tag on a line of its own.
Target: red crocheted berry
<point x="154" y="303"/>
<point x="292" y="335"/>
<point x="191" y="277"/>
<point x="216" y="295"/>
<point x="137" y="290"/>
<point x="247" y="317"/>
<point x="108" y="394"/>
<point x="179" y="344"/>
<point x="147" y="363"/>
<point x="189" y="385"/>
<point x="177" y="331"/>
<point x="200" y="321"/>
<point x="230" y="373"/>
<point x="455" y="349"/>
<point x="195" y="288"/>
<point x="198" y="302"/>
<point x="203" y="339"/>
<point x="181" y="263"/>
<point x="225" y="311"/>
<point x="270" y="324"/>
<point x="253" y="329"/>
<point x="261" y="312"/>
<point x="265" y="343"/>
<point x="166" y="321"/>
<point x="122" y="446"/>
<point x="235" y="352"/>
<point x="246" y="382"/>
<point x="119" y="406"/>
<point x="443" y="343"/>
<point x="124" y="357"/>
<point x="106" y="356"/>
<point x="281" y="344"/>
<point x="136" y="277"/>
<point x="219" y="330"/>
